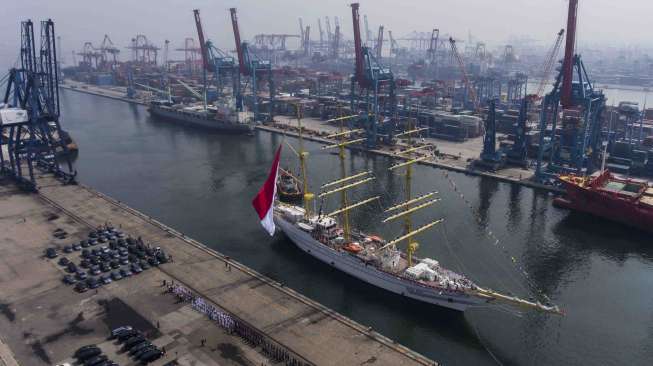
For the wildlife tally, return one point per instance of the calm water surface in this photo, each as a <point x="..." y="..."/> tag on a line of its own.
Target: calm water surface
<point x="202" y="184"/>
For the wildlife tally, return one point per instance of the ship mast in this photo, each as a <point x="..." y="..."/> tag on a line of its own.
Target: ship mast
<point x="365" y="177"/>
<point x="409" y="234"/>
<point x="308" y="197"/>
<point x="343" y="193"/>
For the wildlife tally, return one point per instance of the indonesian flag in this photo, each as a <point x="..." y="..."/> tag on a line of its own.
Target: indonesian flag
<point x="264" y="201"/>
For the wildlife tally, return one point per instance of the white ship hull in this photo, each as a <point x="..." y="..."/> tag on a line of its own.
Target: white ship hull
<point x="357" y="268"/>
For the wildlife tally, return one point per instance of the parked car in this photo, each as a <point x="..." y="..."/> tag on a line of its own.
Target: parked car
<point x="140" y="347"/>
<point x="133" y="341"/>
<point x="95" y="360"/>
<point x="72" y="267"/>
<point x="143" y="351"/>
<point x="116" y="276"/>
<point x="67" y="249"/>
<point x="81" y="286"/>
<point x="153" y="261"/>
<point x="150" y="356"/>
<point x="106" y="279"/>
<point x="63" y="261"/>
<point x="105" y="267"/>
<point x="116" y="331"/>
<point x="51" y="253"/>
<point x="87" y="352"/>
<point x="95" y="270"/>
<point x="128" y="334"/>
<point x="69" y="279"/>
<point x="125" y="272"/>
<point x="93" y="283"/>
<point x="145" y="265"/>
<point x="136" y="268"/>
<point x="84" y="243"/>
<point x="77" y="247"/>
<point x="85" y="253"/>
<point x="81" y="275"/>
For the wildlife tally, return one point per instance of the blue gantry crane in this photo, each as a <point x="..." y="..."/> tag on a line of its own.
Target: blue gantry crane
<point x="29" y="118"/>
<point x="491" y="158"/>
<point x="255" y="69"/>
<point x="575" y="147"/>
<point x="376" y="87"/>
<point x="215" y="61"/>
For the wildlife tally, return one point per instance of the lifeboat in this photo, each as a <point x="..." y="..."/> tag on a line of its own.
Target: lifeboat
<point x="353" y="247"/>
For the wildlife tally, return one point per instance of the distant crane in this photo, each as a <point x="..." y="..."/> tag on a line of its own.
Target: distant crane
<point x="319" y="26"/>
<point x="251" y="66"/>
<point x="108" y="50"/>
<point x="463" y="70"/>
<point x="336" y="40"/>
<point x="371" y="79"/>
<point x="379" y="43"/>
<point x="548" y="64"/>
<point x="143" y="51"/>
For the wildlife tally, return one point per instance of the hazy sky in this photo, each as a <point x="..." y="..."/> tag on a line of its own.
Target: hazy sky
<point x="624" y="22"/>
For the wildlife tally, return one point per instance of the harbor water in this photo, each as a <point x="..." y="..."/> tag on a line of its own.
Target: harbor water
<point x="503" y="236"/>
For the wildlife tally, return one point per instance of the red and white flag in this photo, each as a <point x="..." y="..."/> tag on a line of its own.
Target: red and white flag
<point x="264" y="201"/>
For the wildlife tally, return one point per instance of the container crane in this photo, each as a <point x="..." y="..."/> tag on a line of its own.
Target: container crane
<point x="377" y="83"/>
<point x="368" y="33"/>
<point x="203" y="49"/>
<point x="379" y="43"/>
<point x="329" y="34"/>
<point x="576" y="148"/>
<point x="31" y="128"/>
<point x="252" y="67"/>
<point x="219" y="63"/>
<point x="319" y="27"/>
<point x="461" y="64"/>
<point x="108" y="50"/>
<point x="336" y="40"/>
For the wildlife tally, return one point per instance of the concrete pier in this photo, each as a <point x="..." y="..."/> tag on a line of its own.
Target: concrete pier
<point x="43" y="321"/>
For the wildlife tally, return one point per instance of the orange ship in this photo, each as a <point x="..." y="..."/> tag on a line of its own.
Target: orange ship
<point x="625" y="200"/>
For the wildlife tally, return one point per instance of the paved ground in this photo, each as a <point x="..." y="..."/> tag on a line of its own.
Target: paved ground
<point x="43" y="321"/>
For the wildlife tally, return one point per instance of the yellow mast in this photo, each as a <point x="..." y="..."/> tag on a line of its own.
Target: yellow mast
<point x="408" y="222"/>
<point x="308" y="197"/>
<point x="343" y="193"/>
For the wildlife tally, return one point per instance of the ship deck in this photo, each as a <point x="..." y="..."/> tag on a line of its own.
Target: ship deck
<point x="44" y="321"/>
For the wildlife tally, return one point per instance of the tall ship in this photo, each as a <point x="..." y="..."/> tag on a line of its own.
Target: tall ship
<point x="624" y="200"/>
<point x="220" y="117"/>
<point x="334" y="240"/>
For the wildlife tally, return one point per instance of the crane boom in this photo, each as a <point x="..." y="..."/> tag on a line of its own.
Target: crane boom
<point x="357" y="44"/>
<point x="548" y="63"/>
<point x="239" y="47"/>
<point x="200" y="36"/>
<point x="567" y="65"/>
<point x="463" y="70"/>
<point x="379" y="43"/>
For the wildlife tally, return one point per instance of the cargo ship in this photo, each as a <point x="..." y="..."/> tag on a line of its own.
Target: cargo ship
<point x="331" y="238"/>
<point x="215" y="117"/>
<point x="624" y="200"/>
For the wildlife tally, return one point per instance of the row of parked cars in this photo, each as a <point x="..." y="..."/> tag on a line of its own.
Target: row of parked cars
<point x="107" y="255"/>
<point x="136" y="344"/>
